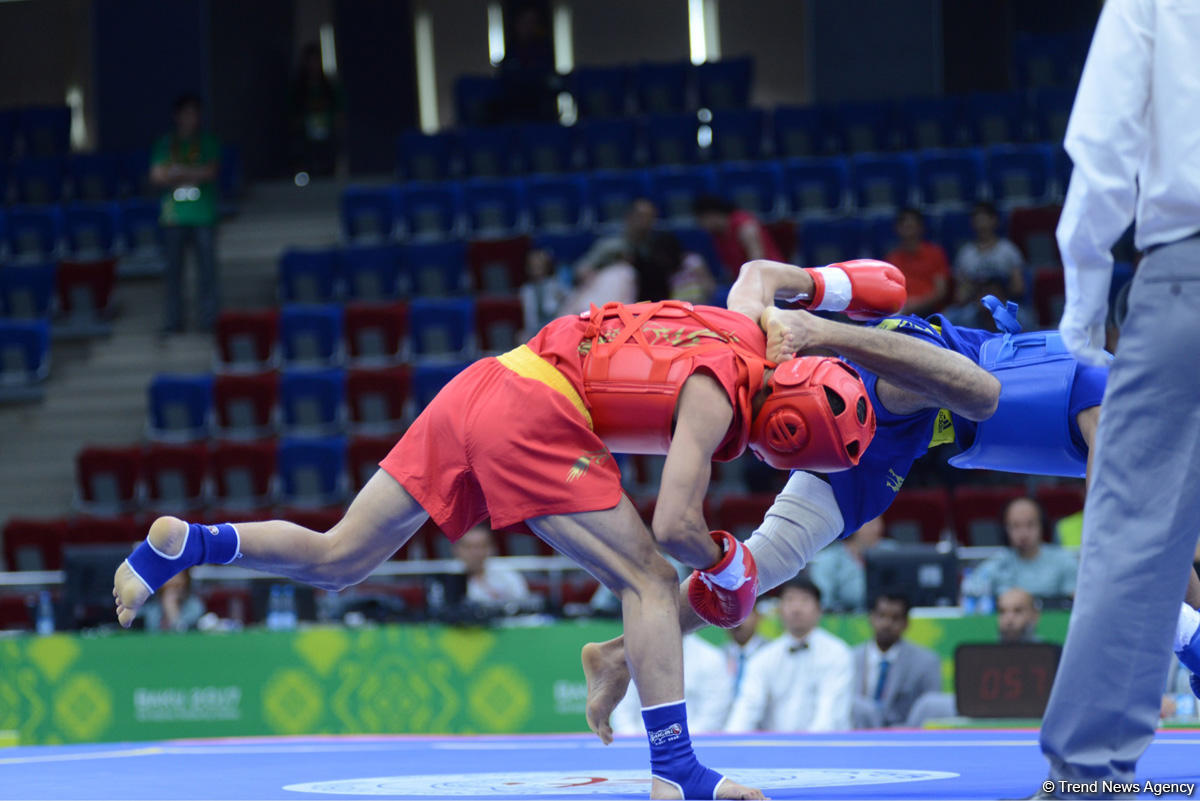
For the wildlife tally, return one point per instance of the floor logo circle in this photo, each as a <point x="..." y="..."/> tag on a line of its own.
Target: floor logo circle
<point x="582" y="782"/>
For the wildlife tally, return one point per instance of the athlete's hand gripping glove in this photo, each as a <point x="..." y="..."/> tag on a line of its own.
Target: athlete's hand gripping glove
<point x="724" y="594"/>
<point x="865" y="289"/>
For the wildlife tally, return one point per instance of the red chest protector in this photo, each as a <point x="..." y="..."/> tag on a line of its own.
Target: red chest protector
<point x="632" y="381"/>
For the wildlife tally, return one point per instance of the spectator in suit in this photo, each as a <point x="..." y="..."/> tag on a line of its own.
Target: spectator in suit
<point x="744" y="642"/>
<point x="924" y="264"/>
<point x="802" y="681"/>
<point x="1046" y="571"/>
<point x="891" y="673"/>
<point x="840" y="569"/>
<point x="707" y="690"/>
<point x="738" y="236"/>
<point x="488" y="584"/>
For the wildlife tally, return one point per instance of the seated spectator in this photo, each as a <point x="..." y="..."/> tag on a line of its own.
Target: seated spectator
<point x="317" y="116"/>
<point x="744" y="642"/>
<point x="174" y="607"/>
<point x="840" y="569"/>
<point x="707" y="690"/>
<point x="738" y="236"/>
<point x="891" y="673"/>
<point x="990" y="265"/>
<point x="488" y="584"/>
<point x="801" y="681"/>
<point x="1046" y="571"/>
<point x="926" y="270"/>
<point x="542" y="294"/>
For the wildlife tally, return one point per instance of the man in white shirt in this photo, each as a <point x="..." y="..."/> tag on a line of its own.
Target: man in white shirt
<point x="707" y="690"/>
<point x="1134" y="139"/>
<point x="890" y="673"/>
<point x="487" y="583"/>
<point x="802" y="680"/>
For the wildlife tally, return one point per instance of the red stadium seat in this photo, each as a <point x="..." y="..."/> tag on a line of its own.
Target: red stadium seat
<point x="742" y="514"/>
<point x="245" y="404"/>
<point x="375" y="332"/>
<point x="174" y="474"/>
<point x="104" y="531"/>
<point x="579" y="589"/>
<point x="107" y="478"/>
<point x="1059" y="501"/>
<point x="34" y="544"/>
<point x="498" y="265"/>
<point x="363" y="456"/>
<point x="246" y="339"/>
<point x="783" y="232"/>
<point x="242" y="472"/>
<point x="14" y="613"/>
<point x="977" y="513"/>
<point x="918" y="515"/>
<point x="230" y="603"/>
<point x="376" y="397"/>
<point x="320" y="520"/>
<point x="216" y="514"/>
<point x="1033" y="231"/>
<point x="498" y="322"/>
<point x="85" y="287"/>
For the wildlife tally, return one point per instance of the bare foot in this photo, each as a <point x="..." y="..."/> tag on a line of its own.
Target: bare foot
<point x="726" y="789"/>
<point x="607" y="680"/>
<point x="167" y="534"/>
<point x="780" y="343"/>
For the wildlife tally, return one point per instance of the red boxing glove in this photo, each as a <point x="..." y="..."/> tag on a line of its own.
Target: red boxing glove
<point x="724" y="594"/>
<point x="865" y="289"/>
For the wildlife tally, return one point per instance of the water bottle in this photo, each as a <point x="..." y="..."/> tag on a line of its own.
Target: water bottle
<point x="274" y="603"/>
<point x="287" y="607"/>
<point x="45" y="613"/>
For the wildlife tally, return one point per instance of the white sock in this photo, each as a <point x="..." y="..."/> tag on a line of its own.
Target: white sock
<point x="1189" y="621"/>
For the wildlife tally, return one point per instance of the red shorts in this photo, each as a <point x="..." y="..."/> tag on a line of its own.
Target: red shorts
<point x="493" y="443"/>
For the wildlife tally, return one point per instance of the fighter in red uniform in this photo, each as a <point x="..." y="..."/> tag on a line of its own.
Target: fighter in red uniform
<point x="526" y="437"/>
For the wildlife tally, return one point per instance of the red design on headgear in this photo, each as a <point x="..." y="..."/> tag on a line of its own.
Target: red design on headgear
<point x="817" y="417"/>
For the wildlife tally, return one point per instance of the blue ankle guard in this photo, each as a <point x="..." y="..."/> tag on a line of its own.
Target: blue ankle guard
<point x="671" y="755"/>
<point x="217" y="545"/>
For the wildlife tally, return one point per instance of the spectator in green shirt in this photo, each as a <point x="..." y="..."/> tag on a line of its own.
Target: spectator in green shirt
<point x="185" y="165"/>
<point x="1045" y="571"/>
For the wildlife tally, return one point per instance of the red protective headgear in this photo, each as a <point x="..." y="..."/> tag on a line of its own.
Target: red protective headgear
<point x="817" y="417"/>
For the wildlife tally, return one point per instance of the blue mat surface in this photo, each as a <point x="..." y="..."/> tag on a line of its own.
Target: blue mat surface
<point x="853" y="765"/>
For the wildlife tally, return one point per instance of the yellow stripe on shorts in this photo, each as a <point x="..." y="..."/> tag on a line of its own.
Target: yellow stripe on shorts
<point x="524" y="362"/>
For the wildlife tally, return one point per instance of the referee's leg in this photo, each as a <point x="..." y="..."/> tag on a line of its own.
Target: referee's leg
<point x="1140" y="531"/>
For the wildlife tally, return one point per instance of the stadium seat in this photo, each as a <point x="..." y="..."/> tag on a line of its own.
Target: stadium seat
<point x="977" y="513"/>
<point x="737" y="135"/>
<point x="672" y="139"/>
<point x="995" y="117"/>
<point x="697" y="240"/>
<point x="612" y="193"/>
<point x="180" y="407"/>
<point x="135" y="174"/>
<point x="828" y="241"/>
<point x="882" y="182"/>
<point x="310" y="334"/>
<point x="8" y="134"/>
<point x="1019" y="175"/>
<point x="879" y="235"/>
<point x="308" y="276"/>
<point x="103" y="530"/>
<point x="425" y="157"/>
<point x="16" y="612"/>
<point x="498" y="322"/>
<point x="742" y="514"/>
<point x="565" y="248"/>
<point x="246" y="339"/>
<point x="230" y="603"/>
<point x="84" y="291"/>
<point x="1051" y="110"/>
<point x="430" y="211"/>
<point x="488" y="152"/>
<point x="600" y="91"/>
<point x="952" y="230"/>
<point x="430" y="377"/>
<point x="375" y="332"/>
<point x="94" y="177"/>
<point x="799" y="132"/>
<point x="242" y="474"/>
<point x="371" y="273"/>
<point x="363" y="455"/>
<point x="311" y="401"/>
<point x="175" y="475"/>
<point x="368" y="213"/>
<point x="757" y="188"/>
<point x="244" y="404"/>
<point x="24" y="357"/>
<point x="376" y="397"/>
<point x="674" y="190"/>
<point x="32" y="233"/>
<point x="45" y="130"/>
<point x="1033" y="231"/>
<point x="441" y="327"/>
<point x="1046" y="60"/>
<point x="33" y="544"/>
<point x="1059" y="501"/>
<point x="783" y="232"/>
<point x="949" y="177"/>
<point x="609" y="144"/>
<point x="140" y="239"/>
<point x="546" y="148"/>
<point x="37" y="181"/>
<point x="320" y="520"/>
<point x="435" y="268"/>
<point x="862" y="127"/>
<point x="498" y="265"/>
<point x="230" y="179"/>
<point x="928" y="123"/>
<point x="493" y="206"/>
<point x="107" y="478"/>
<point x="662" y="88"/>
<point x="919" y="515"/>
<point x="474" y="96"/>
<point x="725" y="84"/>
<point x="815" y="187"/>
<point x="1049" y="295"/>
<point x="312" y="470"/>
<point x="555" y="202"/>
<point x="27" y="291"/>
<point x="91" y="230"/>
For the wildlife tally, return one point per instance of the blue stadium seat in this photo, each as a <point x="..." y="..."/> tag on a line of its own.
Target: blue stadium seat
<point x="882" y="182"/>
<point x="135" y="174"/>
<point x="311" y="334"/>
<point x="474" y="96"/>
<point x="371" y="272"/>
<point x="698" y="241"/>
<point x="180" y="406"/>
<point x="995" y="117"/>
<point x="308" y="276"/>
<point x="725" y="84"/>
<point x="487" y="152"/>
<point x="27" y="291"/>
<point x="738" y="135"/>
<point x="879" y="235"/>
<point x="673" y="138"/>
<point x="312" y="470"/>
<point x="949" y="177"/>
<point x="674" y="190"/>
<point x="662" y="88"/>
<point x="800" y="132"/>
<point x="566" y="248"/>
<point x="368" y="213"/>
<point x="37" y="181"/>
<point x="312" y="402"/>
<point x="546" y="148"/>
<point x="430" y="377"/>
<point x="441" y="328"/>
<point x="493" y="206"/>
<point x="600" y="91"/>
<point x="814" y="187"/>
<point x="91" y="230"/>
<point x="952" y="230"/>
<point x="430" y="211"/>
<point x="33" y="232"/>
<point x="611" y="193"/>
<point x="754" y="187"/>
<point x="435" y="268"/>
<point x="1051" y="110"/>
<point x="45" y="130"/>
<point x="24" y="356"/>
<point x="230" y="179"/>
<point x="8" y="133"/>
<point x="609" y="144"/>
<point x="425" y="157"/>
<point x="1019" y="175"/>
<point x="141" y="244"/>
<point x="862" y="127"/>
<point x="1048" y="60"/>
<point x="930" y="122"/>
<point x="1062" y="170"/>
<point x="94" y="177"/>
<point x="555" y="202"/>
<point x="827" y="241"/>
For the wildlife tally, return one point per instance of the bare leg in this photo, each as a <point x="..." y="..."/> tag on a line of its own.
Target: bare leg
<point x="379" y="521"/>
<point x="1087" y="420"/>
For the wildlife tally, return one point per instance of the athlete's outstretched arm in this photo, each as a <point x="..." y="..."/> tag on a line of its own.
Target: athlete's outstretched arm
<point x="760" y="281"/>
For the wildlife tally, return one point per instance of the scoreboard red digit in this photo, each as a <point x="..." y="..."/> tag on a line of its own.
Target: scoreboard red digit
<point x="999" y="680"/>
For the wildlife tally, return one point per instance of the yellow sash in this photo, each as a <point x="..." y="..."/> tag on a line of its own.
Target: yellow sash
<point x="524" y="362"/>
